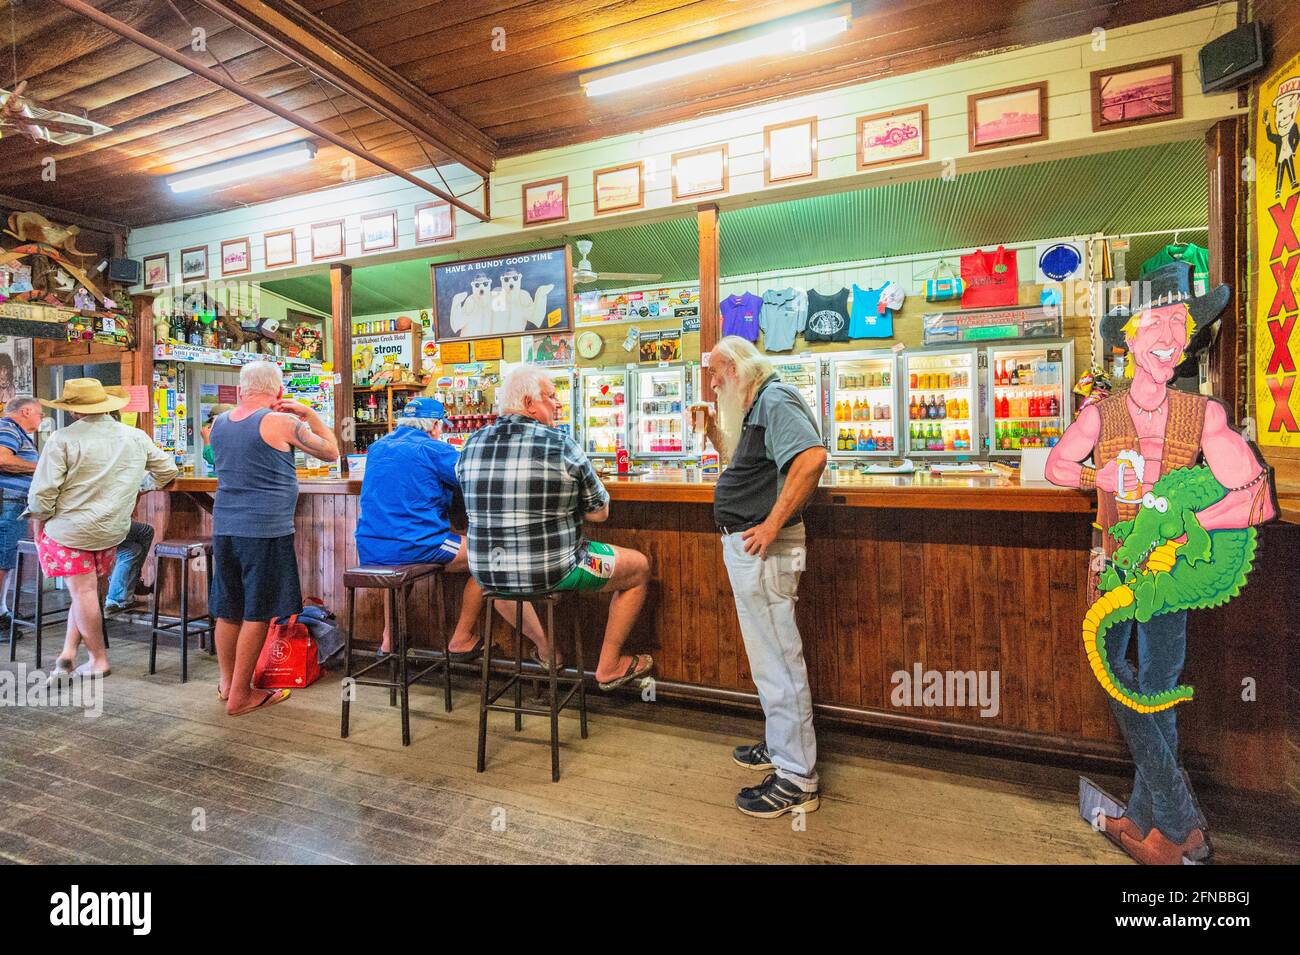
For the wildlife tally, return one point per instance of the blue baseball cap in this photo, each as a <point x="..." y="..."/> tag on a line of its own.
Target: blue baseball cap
<point x="423" y="406"/>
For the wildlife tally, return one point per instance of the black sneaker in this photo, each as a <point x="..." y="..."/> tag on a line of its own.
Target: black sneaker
<point x="774" y="797"/>
<point x="753" y="757"/>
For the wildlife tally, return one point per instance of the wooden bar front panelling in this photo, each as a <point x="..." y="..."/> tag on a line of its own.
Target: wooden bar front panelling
<point x="886" y="589"/>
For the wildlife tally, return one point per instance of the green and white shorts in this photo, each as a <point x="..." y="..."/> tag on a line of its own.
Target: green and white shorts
<point x="595" y="568"/>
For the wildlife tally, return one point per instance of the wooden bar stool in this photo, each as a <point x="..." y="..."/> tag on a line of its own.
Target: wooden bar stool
<point x="575" y="683"/>
<point x="41" y="618"/>
<point x="397" y="580"/>
<point x="184" y="551"/>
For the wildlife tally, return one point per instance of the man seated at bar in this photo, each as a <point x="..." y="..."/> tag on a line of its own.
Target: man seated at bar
<point x="776" y="459"/>
<point x="255" y="569"/>
<point x="18" y="454"/>
<point x="406" y="495"/>
<point x="528" y="487"/>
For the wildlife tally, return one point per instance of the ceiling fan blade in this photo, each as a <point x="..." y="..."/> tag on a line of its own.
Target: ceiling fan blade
<point x="62" y="126"/>
<point x="630" y="276"/>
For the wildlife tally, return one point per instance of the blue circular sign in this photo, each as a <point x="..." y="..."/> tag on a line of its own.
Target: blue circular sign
<point x="1059" y="262"/>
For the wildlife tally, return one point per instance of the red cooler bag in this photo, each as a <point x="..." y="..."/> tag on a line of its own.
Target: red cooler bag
<point x="288" y="658"/>
<point x="990" y="279"/>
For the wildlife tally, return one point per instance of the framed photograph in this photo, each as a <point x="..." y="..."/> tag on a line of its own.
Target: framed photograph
<point x="618" y="188"/>
<point x="434" y="221"/>
<point x="1137" y="93"/>
<point x="379" y="231"/>
<point x="236" y="256"/>
<point x="194" y="264"/>
<point x="902" y="135"/>
<point x="546" y="201"/>
<point x="156" y="270"/>
<point x="700" y="172"/>
<point x="1017" y="114"/>
<point x="279" y="248"/>
<point x="790" y="151"/>
<point x="327" y="240"/>
<point x="504" y="296"/>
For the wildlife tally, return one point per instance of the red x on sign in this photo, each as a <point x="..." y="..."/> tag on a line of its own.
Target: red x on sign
<point x="1284" y="219"/>
<point x="1283" y="419"/>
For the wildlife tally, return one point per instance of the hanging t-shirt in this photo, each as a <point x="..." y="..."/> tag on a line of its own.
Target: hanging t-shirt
<point x="828" y="317"/>
<point x="869" y="319"/>
<point x="784" y="315"/>
<point x="740" y="315"/>
<point x="1186" y="252"/>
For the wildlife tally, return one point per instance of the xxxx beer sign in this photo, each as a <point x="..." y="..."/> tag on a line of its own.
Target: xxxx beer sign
<point x="1277" y="218"/>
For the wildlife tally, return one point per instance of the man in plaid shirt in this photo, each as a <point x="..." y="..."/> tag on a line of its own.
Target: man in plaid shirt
<point x="528" y="487"/>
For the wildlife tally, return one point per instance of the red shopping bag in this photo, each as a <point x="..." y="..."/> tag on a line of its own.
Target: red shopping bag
<point x="288" y="658"/>
<point x="990" y="279"/>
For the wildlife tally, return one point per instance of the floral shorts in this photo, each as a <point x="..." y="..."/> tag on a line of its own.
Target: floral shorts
<point x="59" y="561"/>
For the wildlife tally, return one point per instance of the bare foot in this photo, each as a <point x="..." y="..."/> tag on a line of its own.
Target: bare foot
<point x="462" y="643"/>
<point x="271" y="698"/>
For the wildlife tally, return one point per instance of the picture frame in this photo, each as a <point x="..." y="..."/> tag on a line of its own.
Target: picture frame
<point x="896" y="136"/>
<point x="1137" y="93"/>
<point x="379" y="231"/>
<point x="790" y="151"/>
<point x="546" y="200"/>
<point x="503" y="296"/>
<point x="327" y="240"/>
<point x="279" y="248"/>
<point x="700" y="172"/>
<point x="434" y="222"/>
<point x="236" y="256"/>
<point x="194" y="264"/>
<point x="1004" y="117"/>
<point x="157" y="270"/>
<point x="618" y="188"/>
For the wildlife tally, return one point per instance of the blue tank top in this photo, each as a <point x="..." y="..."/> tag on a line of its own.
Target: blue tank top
<point x="257" y="486"/>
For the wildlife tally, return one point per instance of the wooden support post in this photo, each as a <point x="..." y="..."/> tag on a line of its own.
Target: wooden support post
<point x="341" y="351"/>
<point x="141" y="366"/>
<point x="707" y="226"/>
<point x="1227" y="248"/>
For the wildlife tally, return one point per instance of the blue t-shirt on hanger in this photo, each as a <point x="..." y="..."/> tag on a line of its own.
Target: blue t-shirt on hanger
<point x="866" y="319"/>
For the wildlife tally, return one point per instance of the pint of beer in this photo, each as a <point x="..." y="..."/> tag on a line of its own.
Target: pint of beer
<point x="700" y="412"/>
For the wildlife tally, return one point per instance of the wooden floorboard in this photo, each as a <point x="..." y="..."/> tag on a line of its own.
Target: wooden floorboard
<point x="164" y="776"/>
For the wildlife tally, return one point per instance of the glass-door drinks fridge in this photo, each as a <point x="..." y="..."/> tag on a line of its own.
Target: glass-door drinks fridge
<point x="941" y="402"/>
<point x="804" y="374"/>
<point x="604" y="411"/>
<point x="863" y="403"/>
<point x="564" y="390"/>
<point x="1028" y="388"/>
<point x="660" y="426"/>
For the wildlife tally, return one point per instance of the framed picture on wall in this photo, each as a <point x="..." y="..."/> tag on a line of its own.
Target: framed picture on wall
<point x="700" y="172"/>
<point x="327" y="240"/>
<point x="618" y="188"/>
<point x="379" y="231"/>
<point x="279" y="248"/>
<point x="194" y="264"/>
<point x="1017" y="114"/>
<point x="236" y="256"/>
<point x="503" y="296"/>
<point x="157" y="270"/>
<point x="902" y="135"/>
<point x="790" y="151"/>
<point x="546" y="201"/>
<point x="1137" y="93"/>
<point x="434" y="221"/>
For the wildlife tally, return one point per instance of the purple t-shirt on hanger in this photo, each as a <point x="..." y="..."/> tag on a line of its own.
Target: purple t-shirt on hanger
<point x="740" y="315"/>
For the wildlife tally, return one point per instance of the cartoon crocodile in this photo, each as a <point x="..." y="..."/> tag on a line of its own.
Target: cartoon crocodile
<point x="1153" y="573"/>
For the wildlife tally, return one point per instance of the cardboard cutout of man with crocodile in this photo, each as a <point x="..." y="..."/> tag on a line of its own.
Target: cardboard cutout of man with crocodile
<point x="1179" y="493"/>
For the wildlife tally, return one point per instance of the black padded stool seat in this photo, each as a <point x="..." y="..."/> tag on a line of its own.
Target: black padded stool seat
<point x="576" y="684"/>
<point x="183" y="550"/>
<point x="398" y="579"/>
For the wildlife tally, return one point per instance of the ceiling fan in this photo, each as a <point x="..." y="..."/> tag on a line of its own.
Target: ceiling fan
<point x="20" y="114"/>
<point x="584" y="274"/>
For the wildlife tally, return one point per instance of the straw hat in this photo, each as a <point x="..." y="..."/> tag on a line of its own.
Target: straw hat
<point x="89" y="396"/>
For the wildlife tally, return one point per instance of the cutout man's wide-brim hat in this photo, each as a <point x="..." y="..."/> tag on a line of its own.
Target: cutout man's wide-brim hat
<point x="89" y="396"/>
<point x="1168" y="285"/>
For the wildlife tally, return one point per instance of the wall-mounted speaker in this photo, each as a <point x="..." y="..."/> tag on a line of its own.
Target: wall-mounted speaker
<point x="1232" y="59"/>
<point x="125" y="271"/>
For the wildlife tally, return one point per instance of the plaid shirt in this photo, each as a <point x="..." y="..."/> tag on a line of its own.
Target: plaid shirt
<point x="526" y="488"/>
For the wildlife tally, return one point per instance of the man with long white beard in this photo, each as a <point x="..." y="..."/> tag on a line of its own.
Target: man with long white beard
<point x="775" y="460"/>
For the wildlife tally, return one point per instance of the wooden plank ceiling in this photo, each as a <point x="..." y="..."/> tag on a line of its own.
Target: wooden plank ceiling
<point x="524" y="98"/>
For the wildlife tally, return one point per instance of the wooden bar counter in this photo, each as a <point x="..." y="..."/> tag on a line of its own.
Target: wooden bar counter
<point x="952" y="573"/>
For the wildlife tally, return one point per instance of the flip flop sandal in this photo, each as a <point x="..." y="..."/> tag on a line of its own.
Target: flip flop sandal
<point x="63" y="670"/>
<point x="86" y="670"/>
<point x="270" y="699"/>
<point x="466" y="656"/>
<point x="632" y="672"/>
<point x="545" y="665"/>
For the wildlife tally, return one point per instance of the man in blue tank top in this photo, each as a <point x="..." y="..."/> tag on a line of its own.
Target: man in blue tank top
<point x="255" y="570"/>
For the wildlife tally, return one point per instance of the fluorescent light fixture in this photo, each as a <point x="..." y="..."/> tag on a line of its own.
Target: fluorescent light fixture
<point x="244" y="168"/>
<point x="792" y="38"/>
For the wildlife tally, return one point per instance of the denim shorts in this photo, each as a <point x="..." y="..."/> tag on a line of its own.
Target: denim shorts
<point x="12" y="529"/>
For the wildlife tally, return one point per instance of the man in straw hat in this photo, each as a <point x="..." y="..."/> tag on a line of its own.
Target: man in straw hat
<point x="80" y="502"/>
<point x="1155" y="429"/>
